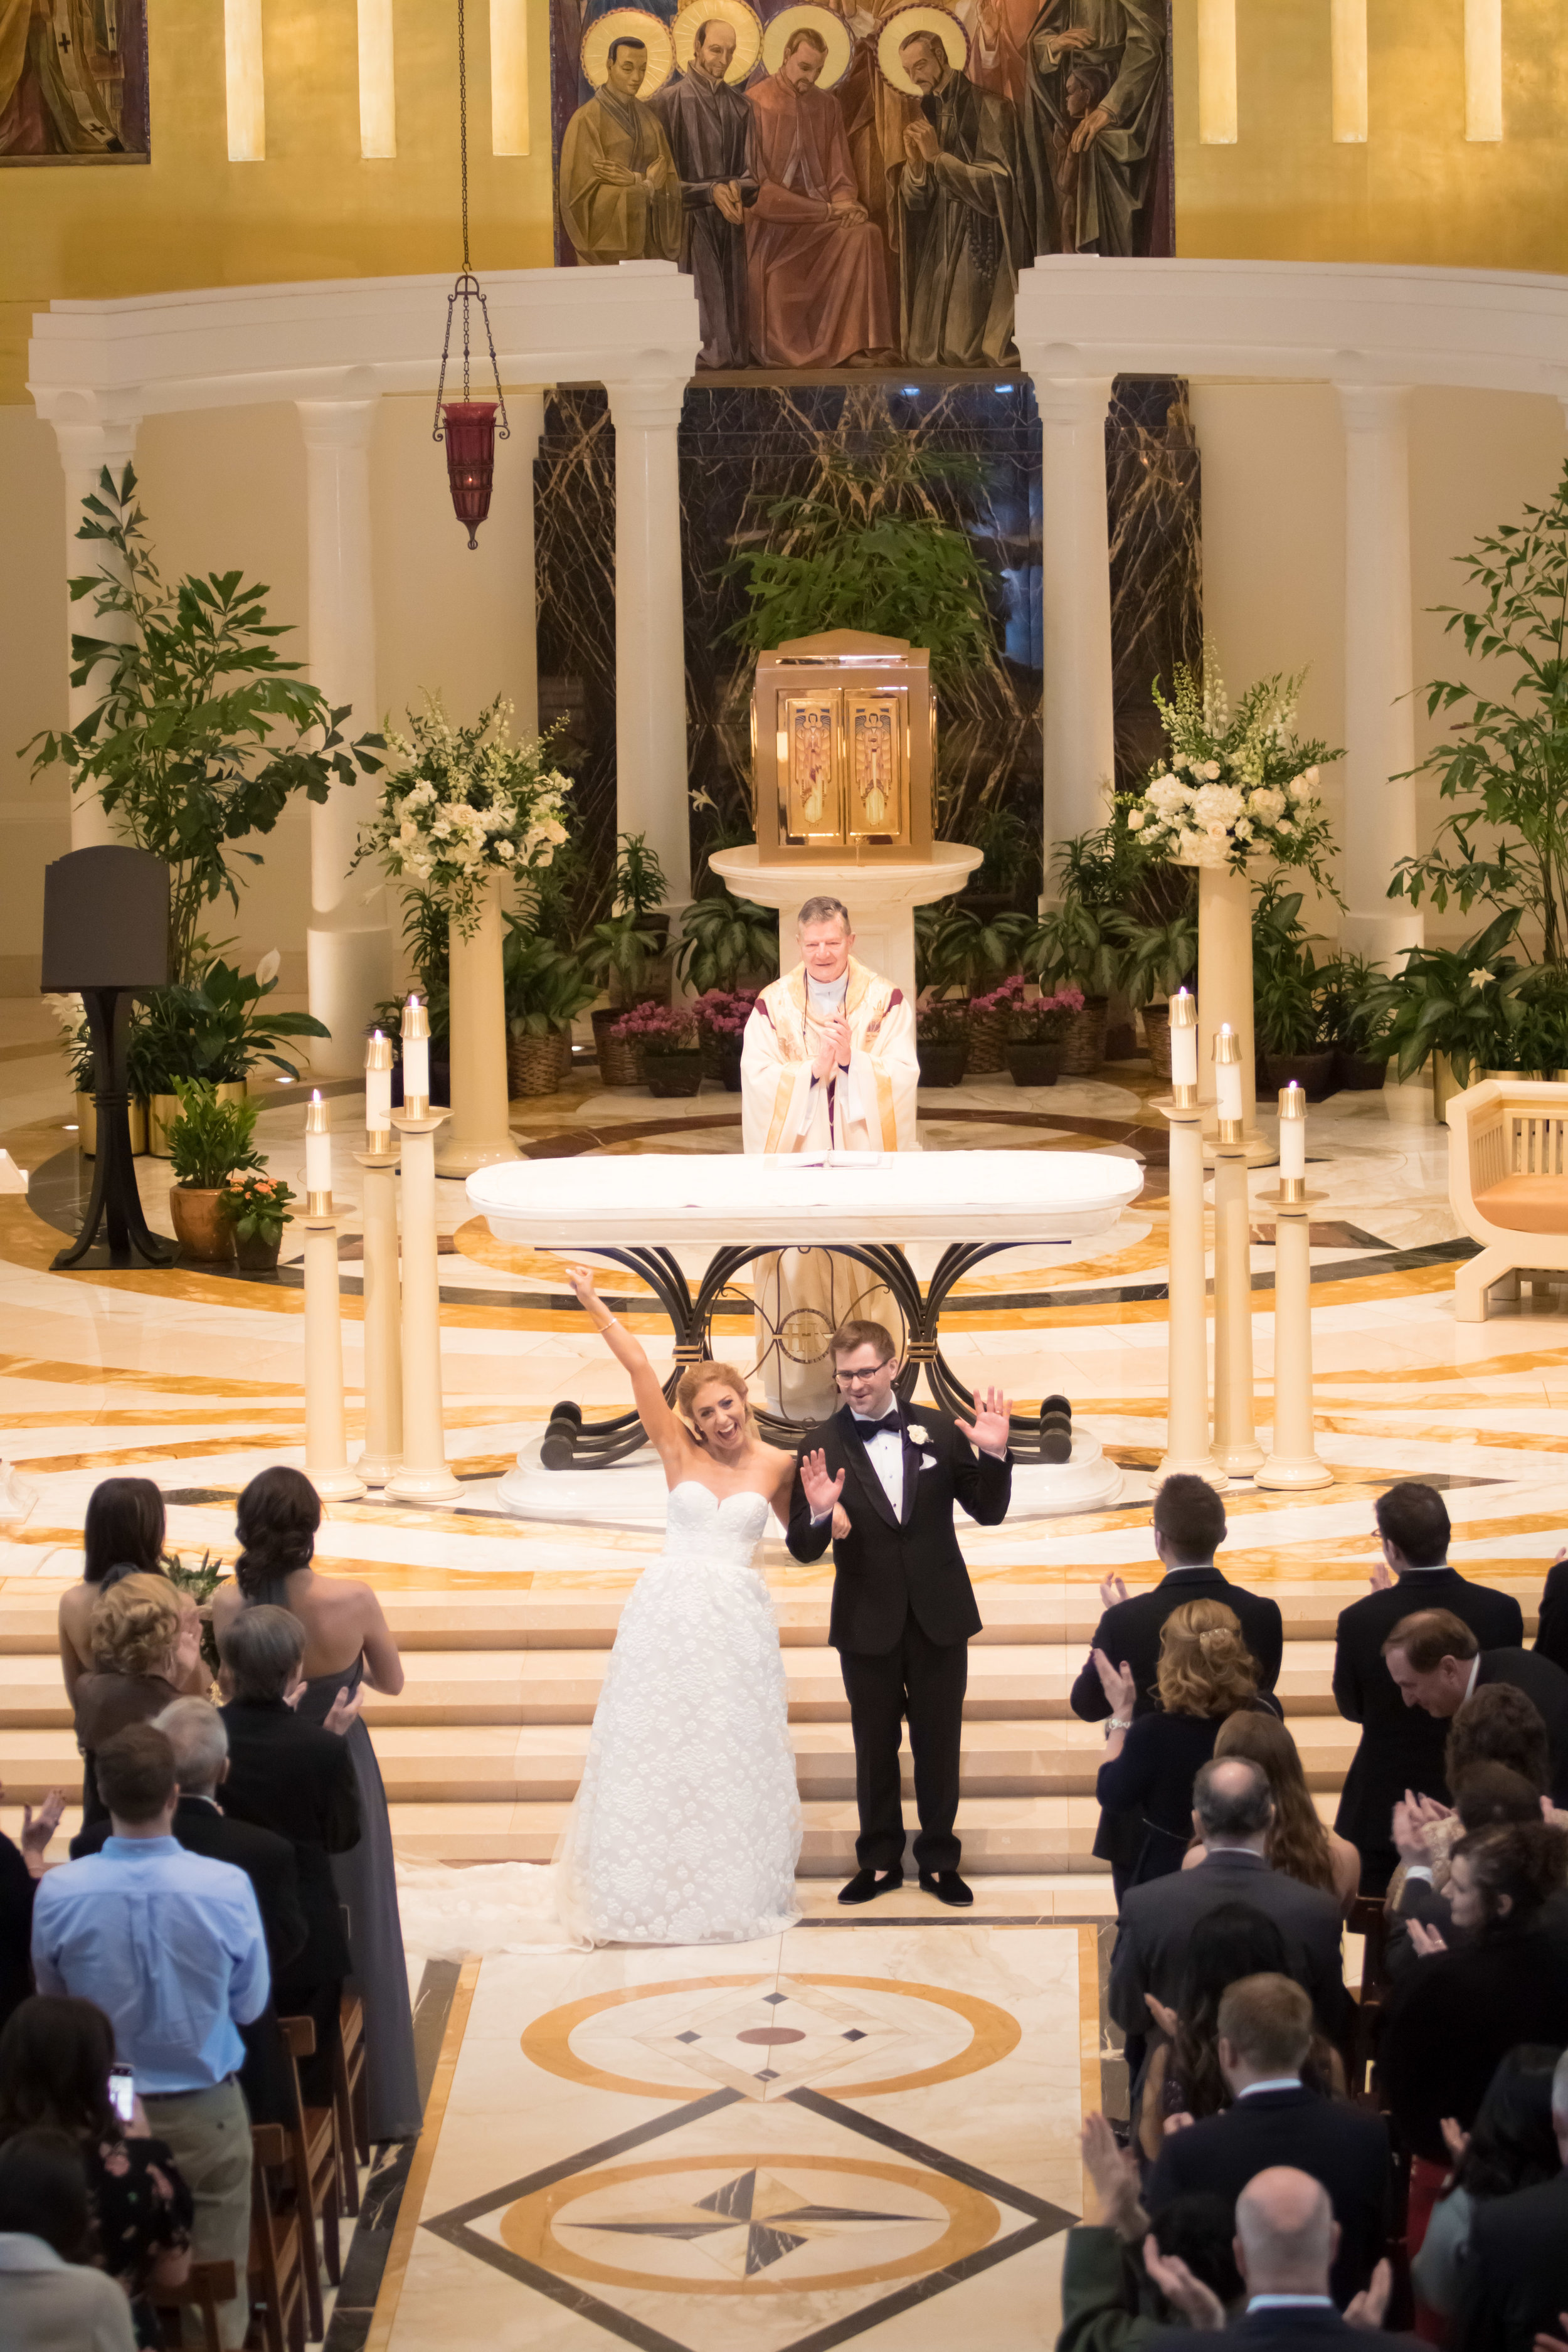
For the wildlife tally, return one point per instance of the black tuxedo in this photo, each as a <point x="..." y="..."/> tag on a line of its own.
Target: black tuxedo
<point x="903" y="1611"/>
<point x="1400" y="1747"/>
<point x="1128" y="1633"/>
<point x="1514" y="2277"/>
<point x="1343" y="2147"/>
<point x="1547" y="1687"/>
<point x="1158" y="1919"/>
<point x="1292" y="2327"/>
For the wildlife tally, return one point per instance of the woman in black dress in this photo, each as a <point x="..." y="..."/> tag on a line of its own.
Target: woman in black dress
<point x="1205" y="1672"/>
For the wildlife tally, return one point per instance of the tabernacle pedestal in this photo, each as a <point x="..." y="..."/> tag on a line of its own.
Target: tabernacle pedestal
<point x="881" y="898"/>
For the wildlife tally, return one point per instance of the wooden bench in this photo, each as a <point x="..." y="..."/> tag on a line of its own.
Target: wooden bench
<point x="1508" y="1185"/>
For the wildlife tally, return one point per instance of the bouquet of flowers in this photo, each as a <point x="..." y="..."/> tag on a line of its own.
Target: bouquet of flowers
<point x="1234" y="783"/>
<point x="1005" y="998"/>
<point x="460" y="803"/>
<point x="1037" y="1020"/>
<point x="724" y="1012"/>
<point x="659" y="1028"/>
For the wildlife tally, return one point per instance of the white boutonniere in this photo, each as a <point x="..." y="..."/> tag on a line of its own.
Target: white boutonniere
<point x="916" y="1433"/>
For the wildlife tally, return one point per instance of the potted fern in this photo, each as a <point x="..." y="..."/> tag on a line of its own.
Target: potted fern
<point x="209" y="1143"/>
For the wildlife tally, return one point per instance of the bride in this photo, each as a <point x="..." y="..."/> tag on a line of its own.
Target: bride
<point x="687" y="1825"/>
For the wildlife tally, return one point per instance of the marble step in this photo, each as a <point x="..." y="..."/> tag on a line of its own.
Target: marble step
<point x="1005" y="1680"/>
<point x="485" y="1763"/>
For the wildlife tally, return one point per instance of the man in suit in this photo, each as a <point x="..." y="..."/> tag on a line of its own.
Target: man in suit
<point x="1436" y="1663"/>
<point x="1514" y="2277"/>
<point x="1400" y="1748"/>
<point x="1232" y="1813"/>
<point x="1189" y="1528"/>
<point x="1286" y="2237"/>
<point x="882" y="1484"/>
<point x="297" y="1779"/>
<point x="1265" y="2035"/>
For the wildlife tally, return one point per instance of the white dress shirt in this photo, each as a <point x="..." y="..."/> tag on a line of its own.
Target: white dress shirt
<point x="885" y="1452"/>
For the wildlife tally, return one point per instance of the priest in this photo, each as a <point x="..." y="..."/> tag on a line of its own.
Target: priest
<point x="827" y="1064"/>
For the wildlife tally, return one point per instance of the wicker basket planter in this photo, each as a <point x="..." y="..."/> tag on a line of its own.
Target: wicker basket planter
<point x="1083" y="1039"/>
<point x="668" y="1075"/>
<point x="1157" y="1037"/>
<point x="620" y="1060"/>
<point x="987" y="1044"/>
<point x="533" y="1064"/>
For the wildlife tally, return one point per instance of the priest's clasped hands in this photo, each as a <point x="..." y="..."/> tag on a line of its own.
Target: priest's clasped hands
<point x="835" y="1049"/>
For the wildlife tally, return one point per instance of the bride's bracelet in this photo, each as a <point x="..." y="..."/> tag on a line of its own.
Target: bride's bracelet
<point x="609" y="1322"/>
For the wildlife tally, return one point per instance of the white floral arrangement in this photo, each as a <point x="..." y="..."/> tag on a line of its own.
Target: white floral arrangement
<point x="1235" y="786"/>
<point x="460" y="803"/>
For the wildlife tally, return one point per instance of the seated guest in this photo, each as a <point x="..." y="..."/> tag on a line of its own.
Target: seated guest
<point x="169" y="1946"/>
<point x="1205" y="1671"/>
<point x="1265" y="2035"/>
<point x="1109" y="2304"/>
<point x="1400" y="1749"/>
<point x="1513" y="2288"/>
<point x="1452" y="2019"/>
<point x="144" y="1636"/>
<point x="1511" y="2146"/>
<point x="124" y="1537"/>
<point x="21" y="1867"/>
<point x="1189" y="1528"/>
<point x="297" y="1779"/>
<point x="1487" y="1796"/>
<point x="1184" y="2077"/>
<point x="196" y="1731"/>
<point x="51" y="2299"/>
<point x="1233" y="1815"/>
<point x="1437" y="1664"/>
<point x="1552" y="1628"/>
<point x="1299" y="1843"/>
<point x="55" y="2057"/>
<point x="1285" y="2244"/>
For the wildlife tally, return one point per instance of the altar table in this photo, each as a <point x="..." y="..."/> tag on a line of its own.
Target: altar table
<point x="864" y="1205"/>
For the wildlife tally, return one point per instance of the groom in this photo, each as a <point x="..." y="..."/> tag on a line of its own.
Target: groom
<point x="882" y="1484"/>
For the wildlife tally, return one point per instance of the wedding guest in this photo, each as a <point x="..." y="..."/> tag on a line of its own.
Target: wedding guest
<point x="169" y="1946"/>
<point x="1513" y="2290"/>
<point x="1299" y="1843"/>
<point x="1487" y="1796"/>
<point x="1401" y="1748"/>
<point x="55" y="2057"/>
<point x="1265" y="2037"/>
<point x="21" y="1867"/>
<point x="124" y="1536"/>
<point x="1284" y="2248"/>
<point x="1437" y="1664"/>
<point x="347" y="1644"/>
<point x="51" y="2298"/>
<point x="144" y="1637"/>
<point x="1189" y="1528"/>
<point x="1204" y="1673"/>
<point x="1552" y="1628"/>
<point x="1512" y="2145"/>
<point x="1110" y="2302"/>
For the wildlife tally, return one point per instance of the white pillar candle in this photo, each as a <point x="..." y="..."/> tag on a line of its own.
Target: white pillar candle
<point x="1227" y="1075"/>
<point x="318" y="1147"/>
<point x="1183" y="1041"/>
<point x="416" y="1053"/>
<point x="378" y="1085"/>
<point x="1292" y="1132"/>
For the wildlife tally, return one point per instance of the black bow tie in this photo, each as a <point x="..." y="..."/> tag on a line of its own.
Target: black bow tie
<point x="869" y="1428"/>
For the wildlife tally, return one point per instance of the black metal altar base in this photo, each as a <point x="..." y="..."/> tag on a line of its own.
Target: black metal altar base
<point x="573" y="1444"/>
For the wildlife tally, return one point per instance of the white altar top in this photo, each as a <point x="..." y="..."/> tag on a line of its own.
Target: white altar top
<point x="667" y="1198"/>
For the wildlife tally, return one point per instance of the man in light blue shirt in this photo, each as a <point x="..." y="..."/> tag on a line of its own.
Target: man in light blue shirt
<point x="169" y="1945"/>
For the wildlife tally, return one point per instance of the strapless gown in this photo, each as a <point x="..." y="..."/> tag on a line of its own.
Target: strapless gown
<point x="686" y="1828"/>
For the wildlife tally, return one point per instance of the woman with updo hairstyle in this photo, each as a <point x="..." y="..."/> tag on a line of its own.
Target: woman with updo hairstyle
<point x="123" y="1536"/>
<point x="146" y="1638"/>
<point x="1206" y="1674"/>
<point x="1493" y="1980"/>
<point x="348" y="1645"/>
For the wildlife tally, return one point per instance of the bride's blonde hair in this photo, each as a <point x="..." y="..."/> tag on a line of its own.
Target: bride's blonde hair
<point x="709" y="1375"/>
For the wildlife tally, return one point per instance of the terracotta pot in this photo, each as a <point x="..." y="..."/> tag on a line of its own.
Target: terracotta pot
<point x="1157" y="1037"/>
<point x="1359" y="1073"/>
<point x="987" y="1044"/>
<point x="942" y="1066"/>
<point x="200" y="1228"/>
<point x="669" y="1074"/>
<point x="1082" y="1048"/>
<point x="1034" y="1062"/>
<point x="1313" y="1073"/>
<point x="534" y="1064"/>
<point x="257" y="1255"/>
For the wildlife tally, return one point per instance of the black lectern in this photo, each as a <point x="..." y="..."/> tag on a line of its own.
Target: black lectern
<point x="106" y="933"/>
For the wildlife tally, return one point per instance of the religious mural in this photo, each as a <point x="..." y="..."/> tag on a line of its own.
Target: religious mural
<point x="73" y="81"/>
<point x="858" y="183"/>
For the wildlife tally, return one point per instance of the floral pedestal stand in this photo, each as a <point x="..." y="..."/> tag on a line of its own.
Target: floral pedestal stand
<point x="1225" y="994"/>
<point x="479" y="1134"/>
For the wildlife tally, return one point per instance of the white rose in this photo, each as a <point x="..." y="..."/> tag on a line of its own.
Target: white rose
<point x="1309" y="776"/>
<point x="441" y="828"/>
<point x="1136" y="821"/>
<point x="1300" y="789"/>
<point x="407" y="832"/>
<point x="916" y="1432"/>
<point x="1209" y="771"/>
<point x="1243" y="828"/>
<point x="1180" y="760"/>
<point x="505" y="852"/>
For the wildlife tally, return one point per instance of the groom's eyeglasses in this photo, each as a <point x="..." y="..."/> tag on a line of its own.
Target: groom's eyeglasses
<point x="853" y="1380"/>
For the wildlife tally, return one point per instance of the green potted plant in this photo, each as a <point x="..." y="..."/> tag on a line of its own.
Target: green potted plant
<point x="257" y="1209"/>
<point x="617" y="954"/>
<point x="721" y="1017"/>
<point x="1460" y="1005"/>
<point x="209" y="1143"/>
<point x="1161" y="956"/>
<point x="1355" y="1021"/>
<point x="1036" y="1030"/>
<point x="942" y="1043"/>
<point x="1287" y="996"/>
<point x="726" y="941"/>
<point x="664" y="1038"/>
<point x="1007" y="878"/>
<point x="641" y="888"/>
<point x="1081" y="940"/>
<point x="545" y="988"/>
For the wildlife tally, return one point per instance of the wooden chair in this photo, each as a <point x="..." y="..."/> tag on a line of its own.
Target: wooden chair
<point x="1368" y="1918"/>
<point x="206" y="2285"/>
<point x="314" y="2161"/>
<point x="350" y="2097"/>
<point x="1508" y="1185"/>
<point x="276" y="2246"/>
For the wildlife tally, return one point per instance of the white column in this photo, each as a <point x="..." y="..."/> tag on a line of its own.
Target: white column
<point x="84" y="450"/>
<point x="1077" y="709"/>
<point x="1380" y="727"/>
<point x="525" y="414"/>
<point x="348" y="944"/>
<point x="650" y="637"/>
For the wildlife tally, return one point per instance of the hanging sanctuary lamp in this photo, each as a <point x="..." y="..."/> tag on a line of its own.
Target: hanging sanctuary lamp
<point x="469" y="427"/>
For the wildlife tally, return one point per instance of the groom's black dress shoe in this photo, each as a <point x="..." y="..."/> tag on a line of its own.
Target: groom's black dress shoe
<point x="867" y="1883"/>
<point x="948" y="1887"/>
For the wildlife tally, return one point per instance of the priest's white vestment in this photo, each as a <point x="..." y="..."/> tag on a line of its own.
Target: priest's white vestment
<point x="869" y="1107"/>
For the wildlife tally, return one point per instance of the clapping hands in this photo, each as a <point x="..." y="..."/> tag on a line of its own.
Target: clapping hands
<point x="1118" y="1683"/>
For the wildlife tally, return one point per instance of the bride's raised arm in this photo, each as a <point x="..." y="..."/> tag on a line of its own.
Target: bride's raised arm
<point x="664" y="1429"/>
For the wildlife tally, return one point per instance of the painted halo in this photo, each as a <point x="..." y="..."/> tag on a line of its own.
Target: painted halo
<point x="639" y="23"/>
<point x="833" y="29"/>
<point x="748" y="28"/>
<point x="919" y="18"/>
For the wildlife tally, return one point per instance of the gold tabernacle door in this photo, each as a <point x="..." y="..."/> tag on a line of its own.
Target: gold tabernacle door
<point x="843" y="745"/>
